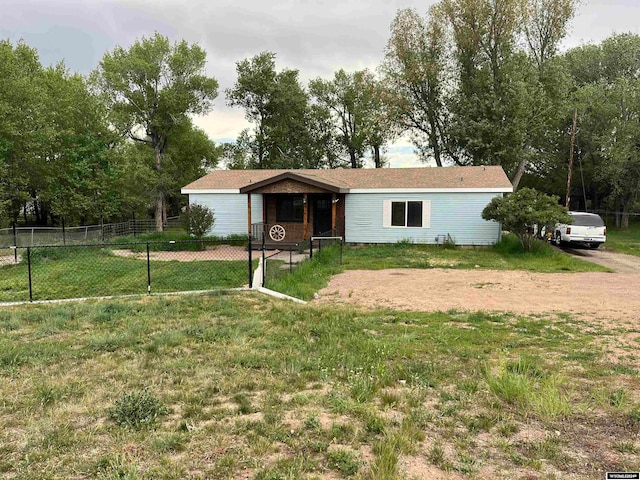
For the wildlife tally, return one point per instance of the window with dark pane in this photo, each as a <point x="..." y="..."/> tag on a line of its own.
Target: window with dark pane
<point x="398" y="214"/>
<point x="290" y="208"/>
<point x="414" y="214"/>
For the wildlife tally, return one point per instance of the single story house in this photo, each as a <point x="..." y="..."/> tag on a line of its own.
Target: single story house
<point x="420" y="205"/>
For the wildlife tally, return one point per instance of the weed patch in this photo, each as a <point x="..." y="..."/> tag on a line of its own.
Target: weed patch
<point x="137" y="410"/>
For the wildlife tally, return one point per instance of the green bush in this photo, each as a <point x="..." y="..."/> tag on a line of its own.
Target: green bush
<point x="198" y="220"/>
<point x="137" y="410"/>
<point x="522" y="211"/>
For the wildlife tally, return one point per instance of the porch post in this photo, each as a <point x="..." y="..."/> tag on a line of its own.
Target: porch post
<point x="334" y="208"/>
<point x="305" y="216"/>
<point x="248" y="213"/>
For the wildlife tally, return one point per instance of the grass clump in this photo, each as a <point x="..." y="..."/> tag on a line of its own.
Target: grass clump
<point x="343" y="461"/>
<point x="524" y="384"/>
<point x="137" y="410"/>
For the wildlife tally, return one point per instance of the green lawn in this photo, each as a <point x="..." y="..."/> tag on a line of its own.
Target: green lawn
<point x="244" y="386"/>
<point x="506" y="255"/>
<point x="92" y="271"/>
<point x="624" y="241"/>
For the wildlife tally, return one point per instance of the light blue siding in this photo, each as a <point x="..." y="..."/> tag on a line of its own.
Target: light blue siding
<point x="456" y="214"/>
<point x="230" y="210"/>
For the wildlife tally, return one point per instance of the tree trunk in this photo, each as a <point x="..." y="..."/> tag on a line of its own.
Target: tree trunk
<point x="519" y="173"/>
<point x="625" y="214"/>
<point x="164" y="211"/>
<point x="158" y="214"/>
<point x="354" y="161"/>
<point x="159" y="193"/>
<point x="434" y="141"/>
<point x="376" y="156"/>
<point x="36" y="210"/>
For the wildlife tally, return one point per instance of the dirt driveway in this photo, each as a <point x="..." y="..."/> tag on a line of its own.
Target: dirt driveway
<point x="597" y="295"/>
<point x="618" y="262"/>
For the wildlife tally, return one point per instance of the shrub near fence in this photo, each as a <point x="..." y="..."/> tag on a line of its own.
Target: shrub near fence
<point x="56" y="272"/>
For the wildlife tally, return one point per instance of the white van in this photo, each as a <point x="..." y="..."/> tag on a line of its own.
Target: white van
<point x="587" y="229"/>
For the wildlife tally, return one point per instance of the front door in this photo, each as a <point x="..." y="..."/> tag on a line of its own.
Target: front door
<point x="322" y="216"/>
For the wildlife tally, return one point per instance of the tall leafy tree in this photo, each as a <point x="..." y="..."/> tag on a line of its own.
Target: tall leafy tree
<point x="278" y="107"/>
<point x="378" y="123"/>
<point x="545" y="25"/>
<point x="506" y="100"/>
<point x="491" y="100"/>
<point x="150" y="90"/>
<point x="325" y="147"/>
<point x="344" y="100"/>
<point x="607" y="96"/>
<point x="54" y="141"/>
<point x="189" y="156"/>
<point x="23" y="133"/>
<point x="414" y="72"/>
<point x="80" y="178"/>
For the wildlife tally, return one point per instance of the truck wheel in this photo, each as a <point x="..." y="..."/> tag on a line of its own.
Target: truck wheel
<point x="558" y="239"/>
<point x="594" y="245"/>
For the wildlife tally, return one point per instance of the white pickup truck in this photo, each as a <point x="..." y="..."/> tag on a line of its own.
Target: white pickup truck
<point x="587" y="229"/>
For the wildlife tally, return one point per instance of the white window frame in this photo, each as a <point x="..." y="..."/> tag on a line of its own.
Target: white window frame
<point x="387" y="208"/>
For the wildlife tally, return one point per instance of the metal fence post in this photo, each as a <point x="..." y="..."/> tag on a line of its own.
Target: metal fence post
<point x="102" y="227"/>
<point x="341" y="245"/>
<point x="134" y="224"/>
<point x="148" y="271"/>
<point x="250" y="262"/>
<point x="29" y="269"/>
<point x="64" y="233"/>
<point x="290" y="260"/>
<point x="264" y="264"/>
<point x="311" y="248"/>
<point x="15" y="243"/>
<point x="319" y="245"/>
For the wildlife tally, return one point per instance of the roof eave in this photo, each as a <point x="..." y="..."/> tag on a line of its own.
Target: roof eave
<point x="293" y="176"/>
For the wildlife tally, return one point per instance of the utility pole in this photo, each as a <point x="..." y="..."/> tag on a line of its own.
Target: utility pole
<point x="573" y="142"/>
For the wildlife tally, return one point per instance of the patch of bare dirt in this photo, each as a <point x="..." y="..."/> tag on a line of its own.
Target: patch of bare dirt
<point x="220" y="252"/>
<point x="9" y="260"/>
<point x="415" y="467"/>
<point x="606" y="296"/>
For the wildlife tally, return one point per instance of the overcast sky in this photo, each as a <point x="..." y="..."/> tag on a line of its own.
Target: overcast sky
<point x="317" y="37"/>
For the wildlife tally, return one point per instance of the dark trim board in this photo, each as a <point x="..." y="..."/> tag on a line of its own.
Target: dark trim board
<point x="298" y="178"/>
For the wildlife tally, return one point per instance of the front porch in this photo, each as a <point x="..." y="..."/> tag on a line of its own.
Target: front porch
<point x="294" y="209"/>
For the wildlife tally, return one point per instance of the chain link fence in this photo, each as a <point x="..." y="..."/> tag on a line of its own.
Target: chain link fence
<point x="280" y="264"/>
<point x="51" y="272"/>
<point x="41" y="236"/>
<point x="96" y="270"/>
